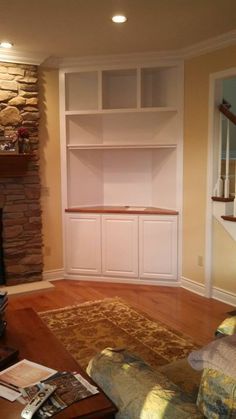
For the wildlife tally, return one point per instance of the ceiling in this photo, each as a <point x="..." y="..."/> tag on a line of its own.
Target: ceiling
<point x="75" y="28"/>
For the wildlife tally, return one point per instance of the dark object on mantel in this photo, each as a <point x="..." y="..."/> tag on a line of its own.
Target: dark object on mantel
<point x="3" y="306"/>
<point x="7" y="356"/>
<point x="13" y="164"/>
<point x="3" y="326"/>
<point x="2" y="273"/>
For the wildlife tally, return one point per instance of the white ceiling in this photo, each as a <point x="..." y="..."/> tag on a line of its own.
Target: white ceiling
<point x="75" y="28"/>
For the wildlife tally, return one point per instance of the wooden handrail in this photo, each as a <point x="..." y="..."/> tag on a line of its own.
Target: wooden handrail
<point x="230" y="115"/>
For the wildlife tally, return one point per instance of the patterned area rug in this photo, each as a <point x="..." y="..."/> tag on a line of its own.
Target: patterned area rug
<point x="87" y="328"/>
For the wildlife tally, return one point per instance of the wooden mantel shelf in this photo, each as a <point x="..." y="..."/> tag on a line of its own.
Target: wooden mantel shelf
<point x="13" y="164"/>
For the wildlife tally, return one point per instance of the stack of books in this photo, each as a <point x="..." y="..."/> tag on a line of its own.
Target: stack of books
<point x="3" y="305"/>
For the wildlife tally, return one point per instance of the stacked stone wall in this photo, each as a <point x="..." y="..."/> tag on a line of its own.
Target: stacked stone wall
<point x="20" y="196"/>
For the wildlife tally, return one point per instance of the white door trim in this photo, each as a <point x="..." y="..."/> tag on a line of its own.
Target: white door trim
<point x="214" y="78"/>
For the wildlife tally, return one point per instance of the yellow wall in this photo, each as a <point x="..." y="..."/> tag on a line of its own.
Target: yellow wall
<point x="197" y="72"/>
<point x="50" y="168"/>
<point x="224" y="257"/>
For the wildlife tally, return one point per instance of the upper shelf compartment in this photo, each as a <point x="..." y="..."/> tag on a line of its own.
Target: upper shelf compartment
<point x="119" y="89"/>
<point x="81" y="91"/>
<point x="158" y="87"/>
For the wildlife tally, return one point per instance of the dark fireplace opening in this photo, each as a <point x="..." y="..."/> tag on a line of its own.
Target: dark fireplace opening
<point x="2" y="275"/>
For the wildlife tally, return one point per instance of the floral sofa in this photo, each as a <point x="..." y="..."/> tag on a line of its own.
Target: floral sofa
<point x="142" y="392"/>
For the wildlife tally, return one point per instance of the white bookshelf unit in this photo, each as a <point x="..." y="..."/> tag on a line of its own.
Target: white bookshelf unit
<point x="121" y="147"/>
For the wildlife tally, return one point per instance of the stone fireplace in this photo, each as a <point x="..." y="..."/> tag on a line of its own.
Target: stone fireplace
<point x="20" y="191"/>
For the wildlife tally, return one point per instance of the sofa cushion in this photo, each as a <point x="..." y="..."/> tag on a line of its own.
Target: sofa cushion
<point x="219" y="355"/>
<point x="217" y="395"/>
<point x="217" y="392"/>
<point x="183" y="375"/>
<point x="137" y="390"/>
<point x="227" y="327"/>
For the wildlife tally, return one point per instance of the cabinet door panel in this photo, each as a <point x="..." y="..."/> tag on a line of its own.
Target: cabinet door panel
<point x="120" y="245"/>
<point x="83" y="244"/>
<point x="158" y="247"/>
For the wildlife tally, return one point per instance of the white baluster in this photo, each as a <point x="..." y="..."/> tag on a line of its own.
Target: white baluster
<point x="226" y="183"/>
<point x="218" y="190"/>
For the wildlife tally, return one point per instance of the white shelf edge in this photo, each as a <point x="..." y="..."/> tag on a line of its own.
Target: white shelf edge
<point x="116" y="146"/>
<point x="122" y="110"/>
<point x="158" y="109"/>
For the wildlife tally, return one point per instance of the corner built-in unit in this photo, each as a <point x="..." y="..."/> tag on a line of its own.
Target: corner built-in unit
<point x="121" y="155"/>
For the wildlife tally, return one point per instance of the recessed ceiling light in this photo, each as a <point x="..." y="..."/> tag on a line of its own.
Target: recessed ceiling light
<point x="119" y="18"/>
<point x="6" y="44"/>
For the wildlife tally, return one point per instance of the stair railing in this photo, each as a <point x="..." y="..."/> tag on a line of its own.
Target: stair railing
<point x="222" y="187"/>
<point x="224" y="108"/>
<point x="218" y="190"/>
<point x="226" y="180"/>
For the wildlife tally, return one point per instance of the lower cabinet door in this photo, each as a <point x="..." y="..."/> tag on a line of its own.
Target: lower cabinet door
<point x="83" y="244"/>
<point x="158" y="247"/>
<point x="120" y="245"/>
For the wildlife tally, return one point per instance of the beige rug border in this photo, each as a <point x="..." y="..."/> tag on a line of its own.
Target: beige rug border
<point x="86" y="303"/>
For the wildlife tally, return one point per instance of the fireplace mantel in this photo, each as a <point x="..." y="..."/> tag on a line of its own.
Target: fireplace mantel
<point x="13" y="164"/>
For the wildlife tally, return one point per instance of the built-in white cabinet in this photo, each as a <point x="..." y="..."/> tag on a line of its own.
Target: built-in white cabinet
<point x="83" y="244"/>
<point x="120" y="245"/>
<point x="121" y="145"/>
<point x="158" y="247"/>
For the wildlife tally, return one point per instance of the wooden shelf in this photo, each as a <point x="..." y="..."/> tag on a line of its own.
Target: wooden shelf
<point x="121" y="110"/>
<point x="13" y="164"/>
<point x="117" y="146"/>
<point x="125" y="209"/>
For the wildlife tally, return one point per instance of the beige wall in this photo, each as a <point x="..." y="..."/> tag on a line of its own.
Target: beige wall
<point x="197" y="72"/>
<point x="50" y="168"/>
<point x="224" y="257"/>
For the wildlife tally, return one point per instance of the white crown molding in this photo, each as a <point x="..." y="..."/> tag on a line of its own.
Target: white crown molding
<point x="200" y="48"/>
<point x="33" y="58"/>
<point x="23" y="57"/>
<point x="210" y="45"/>
<point x="132" y="59"/>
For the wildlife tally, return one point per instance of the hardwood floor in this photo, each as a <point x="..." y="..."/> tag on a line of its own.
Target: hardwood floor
<point x="182" y="310"/>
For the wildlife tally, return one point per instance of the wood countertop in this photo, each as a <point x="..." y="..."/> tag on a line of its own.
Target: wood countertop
<point x="123" y="210"/>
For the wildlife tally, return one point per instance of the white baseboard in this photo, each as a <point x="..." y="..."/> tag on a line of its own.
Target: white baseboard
<point x="136" y="281"/>
<point x="186" y="283"/>
<point x="53" y="275"/>
<point x="193" y="286"/>
<point x="217" y="293"/>
<point x="224" y="296"/>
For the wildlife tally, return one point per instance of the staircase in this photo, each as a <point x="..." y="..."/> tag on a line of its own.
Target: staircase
<point x="224" y="201"/>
